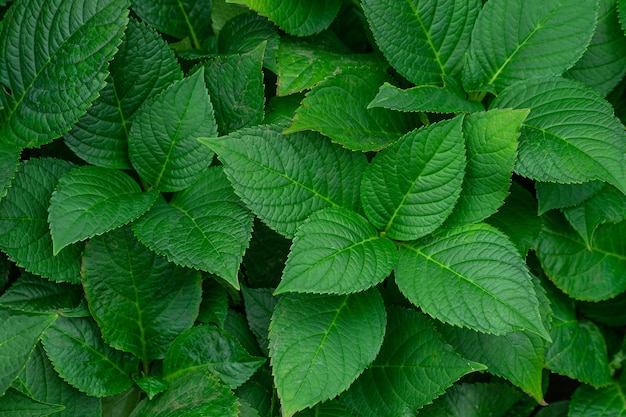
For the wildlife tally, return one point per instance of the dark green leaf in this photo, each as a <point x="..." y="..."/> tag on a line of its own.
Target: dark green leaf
<point x="121" y="405"/>
<point x="9" y="160"/>
<point x="151" y="385"/>
<point x="16" y="404"/>
<point x="35" y="294"/>
<point x="214" y="306"/>
<point x="260" y="304"/>
<point x="259" y="392"/>
<point x="473" y="400"/>
<point x="554" y="195"/>
<point x="265" y="258"/>
<point x="604" y="402"/>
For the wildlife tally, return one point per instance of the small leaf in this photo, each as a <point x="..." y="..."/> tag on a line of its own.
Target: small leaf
<point x="214" y="305"/>
<point x="204" y="227"/>
<point x="35" y="294"/>
<point x="598" y="402"/>
<point x="162" y="141"/>
<point x="53" y="61"/>
<point x="336" y="251"/>
<point x="554" y="195"/>
<point x="514" y="41"/>
<point x="151" y="385"/>
<point x="472" y="277"/>
<point x="320" y="344"/>
<point x="16" y="404"/>
<point x="285" y="178"/>
<point x="80" y="356"/>
<point x="89" y="201"/>
<point x="571" y="134"/>
<point x="337" y="108"/>
<point x="141" y="301"/>
<point x="414" y="367"/>
<point x="410" y="188"/>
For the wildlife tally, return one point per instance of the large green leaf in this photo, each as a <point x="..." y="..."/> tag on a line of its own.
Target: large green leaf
<point x="554" y="195"/>
<point x="336" y="251"/>
<point x="100" y="137"/>
<point x="414" y="367"/>
<point x="424" y="40"/>
<point x="571" y="134"/>
<point x="473" y="400"/>
<point x="90" y="200"/>
<point x="38" y="295"/>
<point x="285" y="178"/>
<point x="141" y="301"/>
<point x="80" y="356"/>
<point x="599" y="402"/>
<point x="204" y="227"/>
<point x="472" y="277"/>
<point x="515" y="40"/>
<point x="162" y="142"/>
<point x="320" y="344"/>
<point x="53" y="57"/>
<point x="337" y="108"/>
<point x="24" y="233"/>
<point x="410" y="188"/>
<point x="16" y="404"/>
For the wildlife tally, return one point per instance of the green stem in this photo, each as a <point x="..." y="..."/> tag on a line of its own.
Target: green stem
<point x="477" y="96"/>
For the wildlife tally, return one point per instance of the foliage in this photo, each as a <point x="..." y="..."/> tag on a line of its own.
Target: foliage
<point x="337" y="208"/>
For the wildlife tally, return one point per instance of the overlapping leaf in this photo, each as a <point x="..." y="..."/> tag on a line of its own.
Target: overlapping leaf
<point x="336" y="251"/>
<point x="89" y="201"/>
<point x="284" y="179"/>
<point x="204" y="227"/>
<point x="514" y="41"/>
<point x="53" y="63"/>
<point x="555" y="195"/>
<point x="320" y="344"/>
<point x="260" y="304"/>
<point x="9" y="160"/>
<point x="409" y="189"/>
<point x="34" y="294"/>
<point x="603" y="402"/>
<point x="571" y="134"/>
<point x="16" y="404"/>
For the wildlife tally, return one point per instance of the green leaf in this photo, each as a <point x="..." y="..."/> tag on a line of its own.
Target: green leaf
<point x="34" y="294"/>
<point x="195" y="393"/>
<point x="260" y="304"/>
<point x="121" y="405"/>
<point x="571" y="134"/>
<point x="554" y="195"/>
<point x="320" y="344"/>
<point x="214" y="305"/>
<point x="237" y="326"/>
<point x="100" y="137"/>
<point x="472" y="277"/>
<point x="16" y="404"/>
<point x="80" y="356"/>
<point x="423" y="98"/>
<point x="9" y="160"/>
<point x="259" y="392"/>
<point x="209" y="347"/>
<point x="514" y="41"/>
<point x="410" y="188"/>
<point x="141" y="301"/>
<point x="336" y="251"/>
<point x="285" y="178"/>
<point x="90" y="200"/>
<point x="296" y="17"/>
<point x="590" y="275"/>
<point x="438" y="35"/>
<point x="235" y="84"/>
<point x="19" y="332"/>
<point x="611" y="311"/>
<point x="603" y="402"/>
<point x="491" y="141"/>
<point x="162" y="142"/>
<point x="337" y="108"/>
<point x="151" y="385"/>
<point x="24" y="233"/>
<point x="204" y="227"/>
<point x="332" y="408"/>
<point x="414" y="367"/>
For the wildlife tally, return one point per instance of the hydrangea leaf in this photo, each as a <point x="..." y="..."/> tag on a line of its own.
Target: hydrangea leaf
<point x="514" y="41"/>
<point x="214" y="305"/>
<point x="162" y="142"/>
<point x="438" y="35"/>
<point x="9" y="160"/>
<point x="337" y="108"/>
<point x="260" y="304"/>
<point x="598" y="402"/>
<point x="571" y="134"/>
<point x="554" y="195"/>
<point x="80" y="356"/>
<point x="16" y="404"/>
<point x="100" y="137"/>
<point x="140" y="300"/>
<point x="53" y="62"/>
<point x="410" y="188"/>
<point x="24" y="233"/>
<point x="336" y="251"/>
<point x="471" y="276"/>
<point x="151" y="385"/>
<point x="491" y="142"/>
<point x="204" y="227"/>
<point x="414" y="367"/>
<point x="320" y="344"/>
<point x="34" y="294"/>
<point x="90" y="201"/>
<point x="285" y="178"/>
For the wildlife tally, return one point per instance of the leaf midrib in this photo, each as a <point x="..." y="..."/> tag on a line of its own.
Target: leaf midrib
<point x="429" y="39"/>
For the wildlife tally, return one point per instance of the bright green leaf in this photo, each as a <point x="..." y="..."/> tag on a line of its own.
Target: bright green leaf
<point x="603" y="402"/>
<point x="285" y="178"/>
<point x="515" y="40"/>
<point x="473" y="400"/>
<point x="9" y="160"/>
<point x="15" y="404"/>
<point x="336" y="251"/>
<point x="471" y="277"/>
<point x="571" y="134"/>
<point x="53" y="63"/>
<point x="414" y="367"/>
<point x="141" y="301"/>
<point x="90" y="201"/>
<point x="35" y="294"/>
<point x="554" y="195"/>
<point x="410" y="188"/>
<point x="203" y="227"/>
<point x="151" y="385"/>
<point x="320" y="344"/>
<point x="163" y="144"/>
